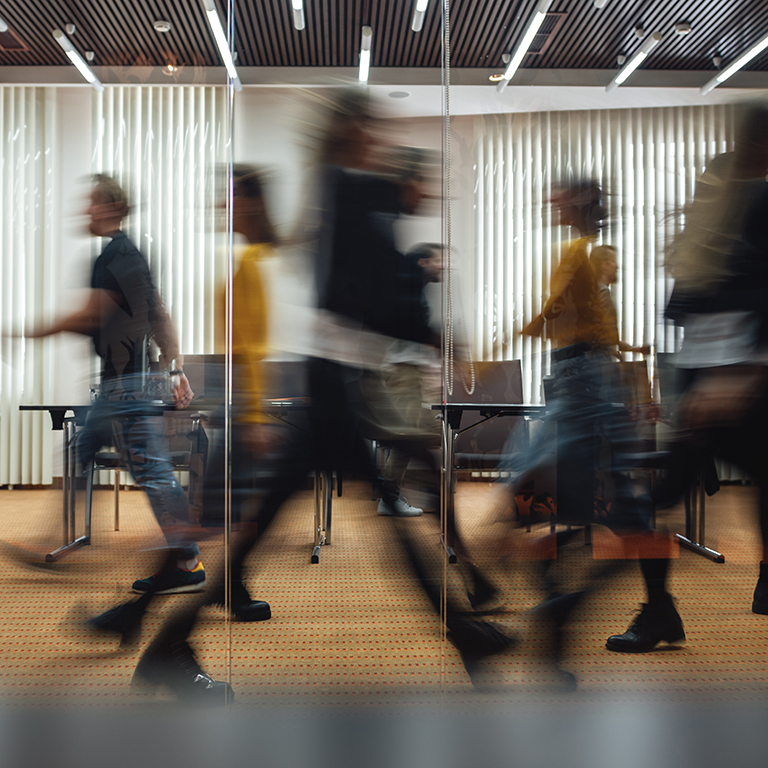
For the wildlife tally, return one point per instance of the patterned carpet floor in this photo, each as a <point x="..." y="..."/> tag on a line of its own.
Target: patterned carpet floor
<point x="355" y="629"/>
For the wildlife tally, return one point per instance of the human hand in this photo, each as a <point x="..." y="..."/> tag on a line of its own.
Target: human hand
<point x="182" y="392"/>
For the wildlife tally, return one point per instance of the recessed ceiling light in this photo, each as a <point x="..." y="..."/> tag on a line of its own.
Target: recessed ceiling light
<point x="162" y="26"/>
<point x="683" y="28"/>
<point x="495" y="78"/>
<point x="399" y="94"/>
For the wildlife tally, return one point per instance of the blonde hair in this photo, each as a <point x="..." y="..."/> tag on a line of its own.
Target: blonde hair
<point x="111" y="193"/>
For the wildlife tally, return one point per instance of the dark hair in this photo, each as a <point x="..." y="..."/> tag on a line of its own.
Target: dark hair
<point x="344" y="107"/>
<point x="586" y="198"/>
<point x="248" y="182"/>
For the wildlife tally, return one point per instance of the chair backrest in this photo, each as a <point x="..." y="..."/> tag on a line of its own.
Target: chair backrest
<point x="498" y="381"/>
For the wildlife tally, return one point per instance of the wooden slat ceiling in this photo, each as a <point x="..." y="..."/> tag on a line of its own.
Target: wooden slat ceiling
<point x="120" y="32"/>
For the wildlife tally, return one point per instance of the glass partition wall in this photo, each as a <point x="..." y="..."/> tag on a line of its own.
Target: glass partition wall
<point x="223" y="275"/>
<point x="561" y="228"/>
<point x="116" y="249"/>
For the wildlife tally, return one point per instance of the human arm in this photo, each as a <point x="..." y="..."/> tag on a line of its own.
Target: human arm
<point x="98" y="308"/>
<point x="166" y="338"/>
<point x="645" y="349"/>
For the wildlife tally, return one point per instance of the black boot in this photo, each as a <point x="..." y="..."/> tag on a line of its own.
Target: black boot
<point x="760" y="598"/>
<point x="242" y="606"/>
<point x="658" y="621"/>
<point x="474" y="640"/>
<point x="483" y="592"/>
<point x="556" y="611"/>
<point x="123" y="620"/>
<point x="177" y="668"/>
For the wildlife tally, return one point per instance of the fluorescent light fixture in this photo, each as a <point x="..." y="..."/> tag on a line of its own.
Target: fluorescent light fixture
<point x="77" y="59"/>
<point x="298" y="14"/>
<point x="742" y="61"/>
<point x="418" y="15"/>
<point x="599" y="3"/>
<point x="3" y="26"/>
<point x="634" y="62"/>
<point x="221" y="41"/>
<point x="365" y="54"/>
<point x="522" y="47"/>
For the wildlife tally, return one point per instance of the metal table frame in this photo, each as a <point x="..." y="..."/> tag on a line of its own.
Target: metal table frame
<point x="695" y="509"/>
<point x="452" y="416"/>
<point x="68" y="426"/>
<point x="280" y="409"/>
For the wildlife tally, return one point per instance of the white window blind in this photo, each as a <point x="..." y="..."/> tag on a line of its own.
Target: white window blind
<point x="166" y="144"/>
<point x="646" y="160"/>
<point x="27" y="279"/>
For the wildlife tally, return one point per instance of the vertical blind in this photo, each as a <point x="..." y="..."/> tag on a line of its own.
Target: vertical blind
<point x="165" y="145"/>
<point x="27" y="279"/>
<point x="646" y="161"/>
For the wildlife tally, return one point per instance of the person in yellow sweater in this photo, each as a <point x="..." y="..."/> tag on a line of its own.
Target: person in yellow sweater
<point x="584" y="339"/>
<point x="250" y="310"/>
<point x="160" y="664"/>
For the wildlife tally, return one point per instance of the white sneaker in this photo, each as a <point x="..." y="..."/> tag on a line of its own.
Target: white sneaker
<point x="402" y="509"/>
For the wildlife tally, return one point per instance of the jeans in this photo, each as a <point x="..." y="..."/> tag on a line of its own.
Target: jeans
<point x="581" y="400"/>
<point x="128" y="425"/>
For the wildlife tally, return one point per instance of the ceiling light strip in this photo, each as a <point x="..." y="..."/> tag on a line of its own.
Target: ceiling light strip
<point x="741" y="62"/>
<point x="365" y="54"/>
<point x="418" y="15"/>
<point x="77" y="59"/>
<point x="298" y="14"/>
<point x="214" y="20"/>
<point x="522" y="47"/>
<point x="634" y="62"/>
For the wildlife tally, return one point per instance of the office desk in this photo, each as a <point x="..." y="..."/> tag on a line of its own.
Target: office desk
<point x="60" y="421"/>
<point x="453" y="414"/>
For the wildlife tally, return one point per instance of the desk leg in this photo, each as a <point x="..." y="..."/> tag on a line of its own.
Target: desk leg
<point x="695" y="501"/>
<point x="319" y="515"/>
<point x="69" y="503"/>
<point x="448" y="485"/>
<point x="65" y="481"/>
<point x="329" y="504"/>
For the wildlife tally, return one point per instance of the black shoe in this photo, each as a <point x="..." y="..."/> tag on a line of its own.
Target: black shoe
<point x="474" y="640"/>
<point x="760" y="598"/>
<point x="242" y="607"/>
<point x="172" y="582"/>
<point x="123" y="620"/>
<point x="177" y="669"/>
<point x="657" y="622"/>
<point x="484" y="592"/>
<point x="255" y="610"/>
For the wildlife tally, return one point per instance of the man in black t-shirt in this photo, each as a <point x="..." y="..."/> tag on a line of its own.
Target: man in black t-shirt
<point x="123" y="312"/>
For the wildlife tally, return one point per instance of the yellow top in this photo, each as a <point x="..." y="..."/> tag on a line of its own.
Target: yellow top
<point x="574" y="312"/>
<point x="250" y="333"/>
